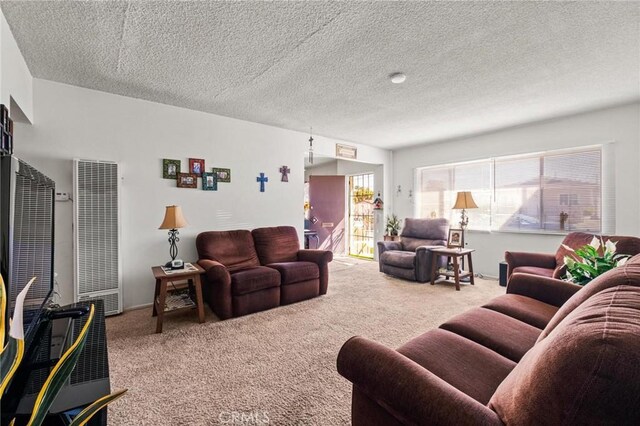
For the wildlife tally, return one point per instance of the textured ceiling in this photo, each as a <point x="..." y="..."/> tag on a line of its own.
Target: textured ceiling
<point x="471" y="66"/>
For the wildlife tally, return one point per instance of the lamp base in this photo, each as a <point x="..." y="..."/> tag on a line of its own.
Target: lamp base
<point x="175" y="264"/>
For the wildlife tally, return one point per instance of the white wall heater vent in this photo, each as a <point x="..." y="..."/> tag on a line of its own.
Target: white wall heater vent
<point x="96" y="221"/>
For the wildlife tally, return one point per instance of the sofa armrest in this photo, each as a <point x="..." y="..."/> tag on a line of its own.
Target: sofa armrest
<point x="548" y="290"/>
<point x="424" y="261"/>
<point x="217" y="287"/>
<point x="540" y="260"/>
<point x="405" y="389"/>
<point x="388" y="245"/>
<point x="322" y="259"/>
<point x="315" y="256"/>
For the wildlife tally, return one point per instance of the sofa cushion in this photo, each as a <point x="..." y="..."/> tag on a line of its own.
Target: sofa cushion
<point x="587" y="371"/>
<point x="234" y="249"/>
<point x="523" y="308"/>
<point x="507" y="336"/>
<point x="276" y="244"/>
<point x="465" y="365"/>
<point x="398" y="258"/>
<point x="254" y="279"/>
<point x="535" y="270"/>
<point x="629" y="274"/>
<point x="412" y="244"/>
<point x="294" y="272"/>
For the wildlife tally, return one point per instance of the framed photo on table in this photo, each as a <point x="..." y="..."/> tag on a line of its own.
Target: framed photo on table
<point x="455" y="238"/>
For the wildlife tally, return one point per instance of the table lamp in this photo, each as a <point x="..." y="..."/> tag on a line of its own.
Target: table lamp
<point x="173" y="220"/>
<point x="464" y="202"/>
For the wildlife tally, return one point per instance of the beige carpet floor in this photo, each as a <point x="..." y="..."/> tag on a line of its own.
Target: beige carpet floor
<point x="277" y="365"/>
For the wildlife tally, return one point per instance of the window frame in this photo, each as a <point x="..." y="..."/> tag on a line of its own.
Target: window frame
<point x="606" y="211"/>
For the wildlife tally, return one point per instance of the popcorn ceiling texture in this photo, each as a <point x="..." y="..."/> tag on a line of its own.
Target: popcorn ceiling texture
<point x="471" y="66"/>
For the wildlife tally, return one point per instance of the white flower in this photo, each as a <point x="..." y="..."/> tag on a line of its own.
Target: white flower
<point x="610" y="247"/>
<point x="595" y="243"/>
<point x="622" y="261"/>
<point x="569" y="261"/>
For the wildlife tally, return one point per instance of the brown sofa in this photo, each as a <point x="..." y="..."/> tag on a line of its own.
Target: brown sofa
<point x="552" y="265"/>
<point x="410" y="258"/>
<point x="546" y="353"/>
<point x="251" y="271"/>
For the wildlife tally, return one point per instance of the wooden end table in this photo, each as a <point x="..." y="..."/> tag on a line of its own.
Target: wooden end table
<point x="456" y="274"/>
<point x="177" y="301"/>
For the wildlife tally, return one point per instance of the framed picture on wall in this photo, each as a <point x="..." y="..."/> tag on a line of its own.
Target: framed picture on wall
<point x="224" y="175"/>
<point x="170" y="168"/>
<point x="209" y="182"/>
<point x="196" y="166"/>
<point x="187" y="180"/>
<point x="455" y="238"/>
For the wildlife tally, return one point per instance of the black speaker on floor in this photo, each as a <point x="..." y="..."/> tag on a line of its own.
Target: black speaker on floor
<point x="503" y="274"/>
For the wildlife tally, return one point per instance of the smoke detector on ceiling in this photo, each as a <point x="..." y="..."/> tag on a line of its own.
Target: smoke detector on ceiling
<point x="398" y="77"/>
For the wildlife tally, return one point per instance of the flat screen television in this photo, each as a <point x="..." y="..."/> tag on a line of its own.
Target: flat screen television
<point x="27" y="202"/>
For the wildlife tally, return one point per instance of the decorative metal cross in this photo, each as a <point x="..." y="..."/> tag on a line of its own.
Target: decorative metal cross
<point x="262" y="179"/>
<point x="285" y="173"/>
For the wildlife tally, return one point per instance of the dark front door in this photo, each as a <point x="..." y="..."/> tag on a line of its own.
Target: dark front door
<point x="327" y="210"/>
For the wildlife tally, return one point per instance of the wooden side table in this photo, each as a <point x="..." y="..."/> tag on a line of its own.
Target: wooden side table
<point x="177" y="302"/>
<point x="456" y="274"/>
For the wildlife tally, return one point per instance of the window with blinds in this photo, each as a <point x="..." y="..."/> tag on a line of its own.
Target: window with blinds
<point x="439" y="185"/>
<point x="559" y="191"/>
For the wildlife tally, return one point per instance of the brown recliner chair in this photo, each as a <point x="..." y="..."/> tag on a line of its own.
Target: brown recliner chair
<point x="494" y="365"/>
<point x="410" y="258"/>
<point x="235" y="283"/>
<point x="552" y="265"/>
<point x="304" y="273"/>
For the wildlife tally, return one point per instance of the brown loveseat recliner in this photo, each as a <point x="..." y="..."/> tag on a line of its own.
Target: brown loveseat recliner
<point x="552" y="265"/>
<point x="251" y="271"/>
<point x="410" y="258"/>
<point x="546" y="353"/>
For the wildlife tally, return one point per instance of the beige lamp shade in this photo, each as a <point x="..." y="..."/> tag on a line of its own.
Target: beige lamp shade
<point x="465" y="201"/>
<point x="173" y="218"/>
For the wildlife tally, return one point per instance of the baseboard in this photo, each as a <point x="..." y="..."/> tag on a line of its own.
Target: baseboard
<point x="135" y="308"/>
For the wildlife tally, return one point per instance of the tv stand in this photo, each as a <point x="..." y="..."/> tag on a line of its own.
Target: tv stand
<point x="89" y="380"/>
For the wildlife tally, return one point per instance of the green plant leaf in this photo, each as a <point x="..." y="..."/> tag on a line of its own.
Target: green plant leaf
<point x="85" y="415"/>
<point x="59" y="375"/>
<point x="11" y="354"/>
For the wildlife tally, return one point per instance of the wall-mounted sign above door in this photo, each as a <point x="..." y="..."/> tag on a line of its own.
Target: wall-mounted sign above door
<point x="346" y="151"/>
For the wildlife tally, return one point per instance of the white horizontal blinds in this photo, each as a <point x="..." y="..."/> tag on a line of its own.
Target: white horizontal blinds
<point x="560" y="191"/>
<point x="571" y="191"/>
<point x="435" y="192"/>
<point x="438" y="187"/>
<point x="517" y="194"/>
<point x="476" y="178"/>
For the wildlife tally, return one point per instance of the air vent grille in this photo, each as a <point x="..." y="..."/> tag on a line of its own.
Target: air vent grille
<point x="97" y="230"/>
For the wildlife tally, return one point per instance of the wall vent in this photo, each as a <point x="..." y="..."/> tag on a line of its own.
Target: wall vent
<point x="96" y="205"/>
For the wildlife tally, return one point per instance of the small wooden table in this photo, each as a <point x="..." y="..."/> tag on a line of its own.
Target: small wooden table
<point x="177" y="302"/>
<point x="456" y="274"/>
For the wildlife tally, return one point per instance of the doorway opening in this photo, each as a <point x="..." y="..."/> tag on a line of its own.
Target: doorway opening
<point x="361" y="217"/>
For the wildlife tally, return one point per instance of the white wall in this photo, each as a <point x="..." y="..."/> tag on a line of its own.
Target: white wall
<point x="325" y="169"/>
<point x="16" y="81"/>
<point x="619" y="124"/>
<point x="75" y="122"/>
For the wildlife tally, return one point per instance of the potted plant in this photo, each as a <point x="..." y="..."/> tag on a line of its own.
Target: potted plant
<point x="592" y="260"/>
<point x="392" y="227"/>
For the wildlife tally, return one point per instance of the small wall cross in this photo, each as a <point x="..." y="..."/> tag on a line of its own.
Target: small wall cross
<point x="285" y="173"/>
<point x="262" y="179"/>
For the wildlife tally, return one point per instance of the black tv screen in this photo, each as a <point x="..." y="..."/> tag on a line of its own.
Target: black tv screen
<point x="27" y="200"/>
